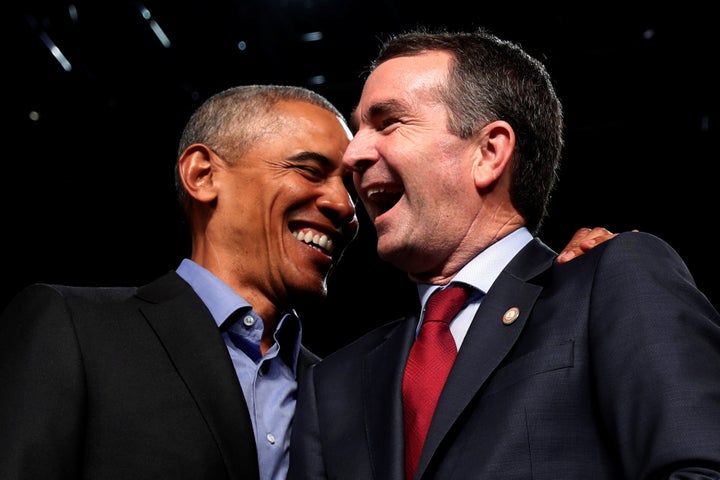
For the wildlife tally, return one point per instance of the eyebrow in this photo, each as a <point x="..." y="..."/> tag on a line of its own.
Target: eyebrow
<point x="310" y="156"/>
<point x="375" y="110"/>
<point x="325" y="162"/>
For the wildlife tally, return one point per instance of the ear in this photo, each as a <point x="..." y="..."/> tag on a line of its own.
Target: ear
<point x="195" y="166"/>
<point x="495" y="149"/>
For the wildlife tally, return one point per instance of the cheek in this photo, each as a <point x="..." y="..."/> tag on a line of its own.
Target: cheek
<point x="290" y="192"/>
<point x="281" y="200"/>
<point x="424" y="145"/>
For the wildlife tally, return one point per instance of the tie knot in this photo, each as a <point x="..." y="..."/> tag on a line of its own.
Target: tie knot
<point x="444" y="304"/>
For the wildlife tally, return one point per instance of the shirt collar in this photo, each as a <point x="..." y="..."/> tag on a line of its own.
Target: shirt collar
<point x="220" y="299"/>
<point x="226" y="307"/>
<point x="484" y="268"/>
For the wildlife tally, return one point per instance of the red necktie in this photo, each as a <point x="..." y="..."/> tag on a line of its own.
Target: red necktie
<point x="428" y="365"/>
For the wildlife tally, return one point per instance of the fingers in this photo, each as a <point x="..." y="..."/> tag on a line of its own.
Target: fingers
<point x="595" y="237"/>
<point x="583" y="240"/>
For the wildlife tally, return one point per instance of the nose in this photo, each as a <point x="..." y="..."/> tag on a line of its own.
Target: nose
<point x="337" y="204"/>
<point x="361" y="153"/>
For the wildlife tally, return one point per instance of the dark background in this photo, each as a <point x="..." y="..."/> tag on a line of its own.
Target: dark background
<point x="87" y="162"/>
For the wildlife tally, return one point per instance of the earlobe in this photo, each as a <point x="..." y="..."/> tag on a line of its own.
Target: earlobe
<point x="494" y="151"/>
<point x="196" y="172"/>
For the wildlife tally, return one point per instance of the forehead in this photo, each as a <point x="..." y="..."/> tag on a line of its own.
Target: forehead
<point x="403" y="80"/>
<point x="414" y="68"/>
<point x="297" y="129"/>
<point x="307" y="115"/>
<point x="305" y="124"/>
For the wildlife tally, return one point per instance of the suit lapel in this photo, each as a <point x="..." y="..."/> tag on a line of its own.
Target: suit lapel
<point x="488" y="340"/>
<point x="186" y="329"/>
<point x="382" y="403"/>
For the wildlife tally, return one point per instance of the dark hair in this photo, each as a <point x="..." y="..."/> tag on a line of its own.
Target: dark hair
<point x="493" y="79"/>
<point x="230" y="121"/>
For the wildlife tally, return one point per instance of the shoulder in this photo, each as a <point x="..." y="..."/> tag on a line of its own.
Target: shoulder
<point x="38" y="298"/>
<point x="47" y="304"/>
<point x="642" y="240"/>
<point x="41" y="295"/>
<point x="639" y="267"/>
<point x="628" y="249"/>
<point x="635" y="249"/>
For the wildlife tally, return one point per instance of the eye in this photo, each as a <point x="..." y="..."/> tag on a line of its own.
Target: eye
<point x="388" y="123"/>
<point x="310" y="172"/>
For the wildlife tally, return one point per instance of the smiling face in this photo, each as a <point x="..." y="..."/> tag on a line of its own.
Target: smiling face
<point x="414" y="176"/>
<point x="281" y="215"/>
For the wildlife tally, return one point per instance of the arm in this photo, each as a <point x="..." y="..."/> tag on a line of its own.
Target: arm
<point x="42" y="389"/>
<point x="655" y="342"/>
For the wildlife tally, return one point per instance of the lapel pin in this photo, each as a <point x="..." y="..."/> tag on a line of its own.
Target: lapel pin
<point x="511" y="315"/>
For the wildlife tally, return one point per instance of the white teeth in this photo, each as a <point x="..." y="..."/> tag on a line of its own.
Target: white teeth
<point x="315" y="239"/>
<point x="374" y="191"/>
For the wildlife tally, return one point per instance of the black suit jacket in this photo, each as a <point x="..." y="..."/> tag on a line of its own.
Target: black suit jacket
<point x="120" y="383"/>
<point x="611" y="371"/>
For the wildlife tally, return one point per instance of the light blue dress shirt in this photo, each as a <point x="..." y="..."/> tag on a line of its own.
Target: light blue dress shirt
<point x="268" y="382"/>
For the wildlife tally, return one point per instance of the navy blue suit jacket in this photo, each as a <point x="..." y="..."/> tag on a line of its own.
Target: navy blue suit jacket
<point x="611" y="371"/>
<point x="120" y="383"/>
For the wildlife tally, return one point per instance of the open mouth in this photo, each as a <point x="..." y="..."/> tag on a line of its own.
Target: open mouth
<point x="315" y="239"/>
<point x="383" y="199"/>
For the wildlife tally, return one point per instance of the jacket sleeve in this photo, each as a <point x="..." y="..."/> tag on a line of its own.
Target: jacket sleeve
<point x="655" y="340"/>
<point x="41" y="388"/>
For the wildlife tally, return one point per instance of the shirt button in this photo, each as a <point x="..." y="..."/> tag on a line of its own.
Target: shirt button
<point x="270" y="438"/>
<point x="248" y="321"/>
